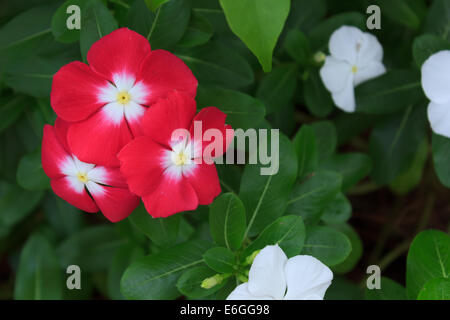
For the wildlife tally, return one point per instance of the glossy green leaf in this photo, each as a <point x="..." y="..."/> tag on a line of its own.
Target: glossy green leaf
<point x="390" y="290"/>
<point x="10" y="110"/>
<point x="304" y="16"/>
<point x="155" y="4"/>
<point x="408" y="13"/>
<point x="317" y="97"/>
<point x="60" y="19"/>
<point x="426" y="45"/>
<point x="357" y="249"/>
<point x="435" y="289"/>
<point x="326" y="138"/>
<point x="306" y="149"/>
<point x="338" y="210"/>
<point x="437" y="20"/>
<point x="190" y="282"/>
<point x="30" y="174"/>
<point x="260" y="33"/>
<point x="297" y="46"/>
<point x="220" y="259"/>
<point x="441" y="154"/>
<point x="198" y="32"/>
<point x="227" y="221"/>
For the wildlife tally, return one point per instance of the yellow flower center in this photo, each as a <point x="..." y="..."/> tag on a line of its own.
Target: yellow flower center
<point x="354" y="69"/>
<point x="123" y="97"/>
<point x="180" y="159"/>
<point x="82" y="177"/>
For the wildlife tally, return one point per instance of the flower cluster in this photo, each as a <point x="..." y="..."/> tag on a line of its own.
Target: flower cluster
<point x="112" y="141"/>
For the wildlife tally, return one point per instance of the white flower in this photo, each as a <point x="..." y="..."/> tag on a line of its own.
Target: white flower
<point x="271" y="273"/>
<point x="436" y="84"/>
<point x="356" y="57"/>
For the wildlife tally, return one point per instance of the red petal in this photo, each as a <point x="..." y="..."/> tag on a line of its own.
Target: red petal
<point x="170" y="197"/>
<point x="75" y="91"/>
<point x="141" y="164"/>
<point x="122" y="50"/>
<point x="167" y="115"/>
<point x="52" y="153"/>
<point x="213" y="118"/>
<point x="115" y="203"/>
<point x="61" y="128"/>
<point x="164" y="72"/>
<point x="98" y="140"/>
<point x="205" y="181"/>
<point x="82" y="200"/>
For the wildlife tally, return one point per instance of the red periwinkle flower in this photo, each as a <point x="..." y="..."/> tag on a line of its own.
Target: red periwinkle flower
<point x="72" y="179"/>
<point x="105" y="101"/>
<point x="173" y="175"/>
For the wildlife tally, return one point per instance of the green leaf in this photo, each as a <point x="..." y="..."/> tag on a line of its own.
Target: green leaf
<point x="190" y="282"/>
<point x="326" y="138"/>
<point x="265" y="196"/>
<point x="394" y="143"/>
<point x="306" y="149"/>
<point x="317" y="97"/>
<point x="287" y="231"/>
<point x="326" y="244"/>
<point x="30" y="174"/>
<point x="159" y="27"/>
<point x="435" y="289"/>
<point x="125" y="255"/>
<point x="227" y="221"/>
<point x="428" y="258"/>
<point x="155" y="4"/>
<point x="297" y="46"/>
<point x="162" y="231"/>
<point x="97" y="21"/>
<point x="220" y="259"/>
<point x="426" y="45"/>
<point x="438" y="19"/>
<point x="390" y="290"/>
<point x="39" y="275"/>
<point x="10" y="110"/>
<point x="441" y="154"/>
<point x="216" y="64"/>
<point x="389" y="93"/>
<point x="155" y="276"/>
<point x="406" y="12"/>
<point x="338" y="210"/>
<point x="277" y="88"/>
<point x="59" y="22"/>
<point x="92" y="248"/>
<point x="242" y="110"/>
<point x="353" y="167"/>
<point x="309" y="198"/>
<point x="357" y="249"/>
<point x="261" y="32"/>
<point x="198" y="32"/>
<point x="304" y="16"/>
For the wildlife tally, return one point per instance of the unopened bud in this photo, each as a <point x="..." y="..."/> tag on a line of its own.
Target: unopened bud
<point x="250" y="258"/>
<point x="319" y="57"/>
<point x="211" y="282"/>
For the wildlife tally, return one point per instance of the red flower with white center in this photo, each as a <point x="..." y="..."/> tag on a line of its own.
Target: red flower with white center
<point x="175" y="175"/>
<point x="86" y="186"/>
<point x="106" y="100"/>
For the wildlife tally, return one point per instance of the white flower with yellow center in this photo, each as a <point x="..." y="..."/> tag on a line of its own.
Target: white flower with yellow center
<point x="355" y="57"/>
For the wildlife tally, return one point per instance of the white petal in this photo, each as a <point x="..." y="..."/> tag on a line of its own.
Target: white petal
<point x="98" y="174"/>
<point x="114" y="112"/>
<point x="108" y="93"/>
<point x="241" y="293"/>
<point x="369" y="51"/>
<point x="266" y="277"/>
<point x="372" y="70"/>
<point x="335" y="73"/>
<point x="345" y="42"/>
<point x="123" y="81"/>
<point x="439" y="117"/>
<point x="95" y="189"/>
<point x="133" y="111"/>
<point x="345" y="99"/>
<point x="75" y="184"/>
<point x="83" y="167"/>
<point x="139" y="92"/>
<point x="68" y="166"/>
<point x="436" y="77"/>
<point x="307" y="278"/>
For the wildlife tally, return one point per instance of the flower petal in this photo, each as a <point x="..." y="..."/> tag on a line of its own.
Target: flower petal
<point x="167" y="115"/>
<point x="115" y="203"/>
<point x="436" y="77"/>
<point x="98" y="139"/>
<point x="163" y="72"/>
<point x="439" y="117"/>
<point x="345" y="99"/>
<point x="76" y="91"/>
<point x="266" y="277"/>
<point x="335" y="74"/>
<point x="53" y="155"/>
<point x="170" y="196"/>
<point x="76" y="196"/>
<point x="241" y="293"/>
<point x="120" y="52"/>
<point x="370" y="51"/>
<point x="344" y="43"/>
<point x="142" y="170"/>
<point x="372" y="70"/>
<point x="205" y="181"/>
<point x="307" y="278"/>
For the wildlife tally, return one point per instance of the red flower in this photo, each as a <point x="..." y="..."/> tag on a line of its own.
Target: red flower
<point x="106" y="100"/>
<point x="72" y="179"/>
<point x="166" y="172"/>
